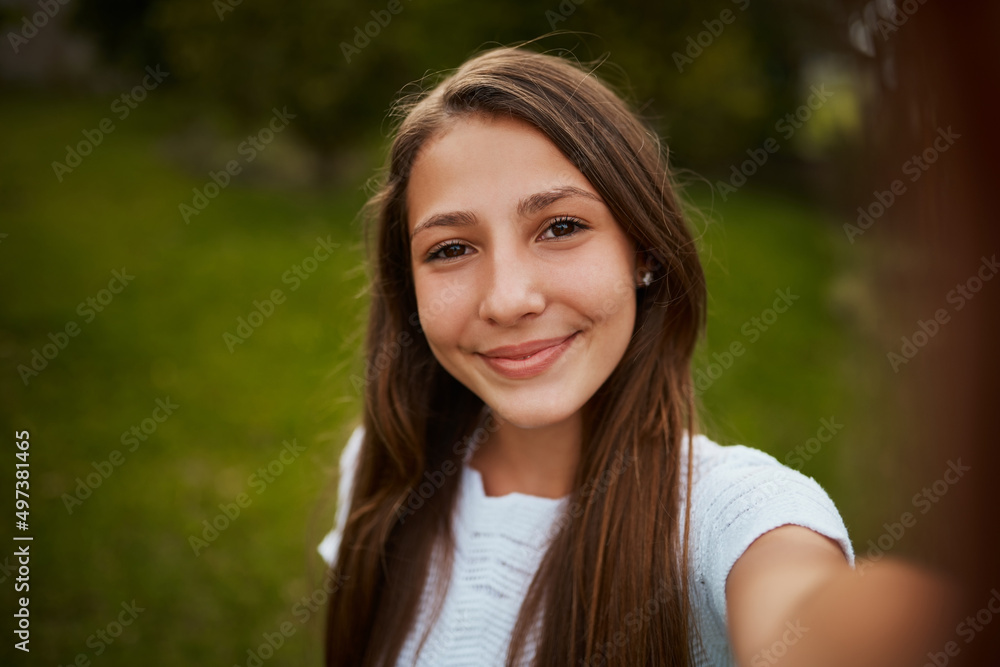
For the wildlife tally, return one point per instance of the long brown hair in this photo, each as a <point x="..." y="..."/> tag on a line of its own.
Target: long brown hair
<point x="612" y="588"/>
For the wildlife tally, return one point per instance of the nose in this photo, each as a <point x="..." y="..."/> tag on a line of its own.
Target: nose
<point x="513" y="290"/>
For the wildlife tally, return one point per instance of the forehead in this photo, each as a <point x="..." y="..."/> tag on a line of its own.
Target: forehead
<point x="484" y="163"/>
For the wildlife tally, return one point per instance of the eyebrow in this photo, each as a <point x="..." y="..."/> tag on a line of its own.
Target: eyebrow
<point x="525" y="207"/>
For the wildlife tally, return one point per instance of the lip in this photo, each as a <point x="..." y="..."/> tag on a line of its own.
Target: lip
<point x="541" y="355"/>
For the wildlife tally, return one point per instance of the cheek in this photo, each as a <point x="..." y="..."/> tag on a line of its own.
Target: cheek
<point x="442" y="307"/>
<point x="607" y="294"/>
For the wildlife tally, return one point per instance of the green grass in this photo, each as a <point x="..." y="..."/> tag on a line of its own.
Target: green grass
<point x="774" y="393"/>
<point x="162" y="336"/>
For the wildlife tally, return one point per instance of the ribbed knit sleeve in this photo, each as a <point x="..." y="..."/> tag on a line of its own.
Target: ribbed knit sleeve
<point x="739" y="494"/>
<point x="348" y="465"/>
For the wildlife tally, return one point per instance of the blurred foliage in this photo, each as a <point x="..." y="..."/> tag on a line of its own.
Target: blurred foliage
<point x="122" y="30"/>
<point x="711" y="100"/>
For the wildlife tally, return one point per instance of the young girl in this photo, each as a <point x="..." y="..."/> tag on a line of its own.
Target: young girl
<point x="518" y="492"/>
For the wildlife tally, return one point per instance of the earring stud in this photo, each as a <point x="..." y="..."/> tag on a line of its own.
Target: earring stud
<point x="646" y="278"/>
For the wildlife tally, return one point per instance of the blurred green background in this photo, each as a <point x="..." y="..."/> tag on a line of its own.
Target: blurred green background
<point x="230" y="65"/>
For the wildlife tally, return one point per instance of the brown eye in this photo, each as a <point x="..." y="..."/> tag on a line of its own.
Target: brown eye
<point x="449" y="250"/>
<point x="563" y="227"/>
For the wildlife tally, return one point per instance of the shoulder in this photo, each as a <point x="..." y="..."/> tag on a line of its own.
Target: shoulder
<point x="738" y="494"/>
<point x="348" y="466"/>
<point x="712" y="460"/>
<point x="735" y="481"/>
<point x="349" y="454"/>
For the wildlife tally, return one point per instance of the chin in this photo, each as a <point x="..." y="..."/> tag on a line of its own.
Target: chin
<point x="536" y="415"/>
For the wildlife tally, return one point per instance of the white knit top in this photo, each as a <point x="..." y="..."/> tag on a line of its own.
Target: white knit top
<point x="738" y="494"/>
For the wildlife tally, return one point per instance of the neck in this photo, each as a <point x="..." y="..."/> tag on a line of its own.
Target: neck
<point x="535" y="461"/>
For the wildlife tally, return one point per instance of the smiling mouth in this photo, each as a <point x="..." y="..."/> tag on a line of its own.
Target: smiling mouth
<point x="527" y="360"/>
<point x="525" y="350"/>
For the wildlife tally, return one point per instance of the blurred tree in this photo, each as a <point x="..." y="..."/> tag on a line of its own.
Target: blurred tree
<point x="713" y="76"/>
<point x="121" y="29"/>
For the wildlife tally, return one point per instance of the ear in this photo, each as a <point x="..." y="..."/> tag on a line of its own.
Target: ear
<point x="646" y="261"/>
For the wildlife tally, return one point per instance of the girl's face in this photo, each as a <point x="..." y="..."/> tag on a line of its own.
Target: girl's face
<point x="525" y="283"/>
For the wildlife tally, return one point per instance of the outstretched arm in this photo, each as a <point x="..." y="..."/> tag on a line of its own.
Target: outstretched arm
<point x="793" y="600"/>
